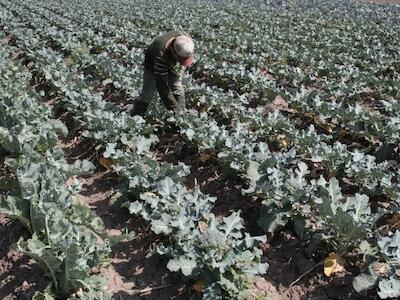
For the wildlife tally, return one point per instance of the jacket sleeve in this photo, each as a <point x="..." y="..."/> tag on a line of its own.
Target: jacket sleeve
<point x="175" y="83"/>
<point x="169" y="85"/>
<point x="166" y="94"/>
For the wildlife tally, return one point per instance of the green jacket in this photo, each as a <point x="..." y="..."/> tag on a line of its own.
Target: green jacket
<point x="167" y="71"/>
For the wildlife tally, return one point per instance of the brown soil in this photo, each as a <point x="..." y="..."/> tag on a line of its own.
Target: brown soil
<point x="228" y="190"/>
<point x="288" y="261"/>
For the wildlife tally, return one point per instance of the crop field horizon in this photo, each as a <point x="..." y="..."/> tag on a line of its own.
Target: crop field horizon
<point x="281" y="179"/>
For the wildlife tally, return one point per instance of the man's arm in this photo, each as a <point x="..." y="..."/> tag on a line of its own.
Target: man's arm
<point x="175" y="83"/>
<point x="166" y="94"/>
<point x="168" y="84"/>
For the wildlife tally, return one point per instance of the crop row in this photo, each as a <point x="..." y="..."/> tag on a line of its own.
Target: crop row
<point x="67" y="239"/>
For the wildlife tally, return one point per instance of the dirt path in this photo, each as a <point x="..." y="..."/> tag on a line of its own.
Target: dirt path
<point x="130" y="274"/>
<point x="288" y="261"/>
<point x="130" y="271"/>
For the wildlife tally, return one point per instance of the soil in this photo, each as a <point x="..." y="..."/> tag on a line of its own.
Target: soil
<point x="288" y="262"/>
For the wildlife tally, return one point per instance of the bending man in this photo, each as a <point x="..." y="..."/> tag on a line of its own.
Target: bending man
<point x="165" y="61"/>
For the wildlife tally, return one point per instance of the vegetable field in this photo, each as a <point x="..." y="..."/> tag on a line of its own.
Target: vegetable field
<point x="280" y="181"/>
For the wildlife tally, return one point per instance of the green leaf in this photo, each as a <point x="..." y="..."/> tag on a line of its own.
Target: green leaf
<point x="253" y="175"/>
<point x="42" y="296"/>
<point x="364" y="282"/>
<point x="94" y="289"/>
<point x="135" y="207"/>
<point x="162" y="225"/>
<point x="82" y="167"/>
<point x="250" y="240"/>
<point x="43" y="256"/>
<point x="358" y="207"/>
<point x="298" y="181"/>
<point x="182" y="263"/>
<point x="232" y="225"/>
<point x="189" y="133"/>
<point x="212" y="292"/>
<point x="389" y="288"/>
<point x="335" y="195"/>
<point x="59" y="127"/>
<point x="8" y="141"/>
<point x="8" y="184"/>
<point x="84" y="216"/>
<point x="385" y="152"/>
<point x="228" y="285"/>
<point x="166" y="187"/>
<point x="214" y="238"/>
<point x="16" y="208"/>
<point x="271" y="220"/>
<point x="300" y="227"/>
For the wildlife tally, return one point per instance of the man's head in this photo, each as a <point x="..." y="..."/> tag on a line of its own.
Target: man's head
<point x="184" y="47"/>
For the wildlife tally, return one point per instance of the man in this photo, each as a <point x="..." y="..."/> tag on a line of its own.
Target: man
<point x="165" y="61"/>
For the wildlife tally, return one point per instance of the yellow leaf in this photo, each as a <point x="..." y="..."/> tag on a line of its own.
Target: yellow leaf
<point x="333" y="264"/>
<point x="199" y="285"/>
<point x="106" y="162"/>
